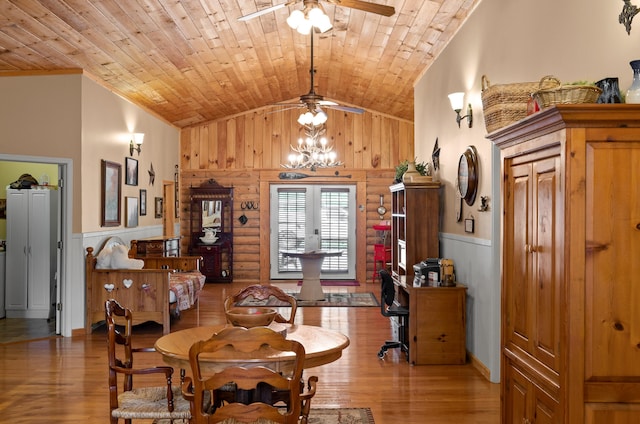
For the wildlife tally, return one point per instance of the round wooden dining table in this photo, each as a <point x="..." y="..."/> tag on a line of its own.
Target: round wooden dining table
<point x="322" y="346"/>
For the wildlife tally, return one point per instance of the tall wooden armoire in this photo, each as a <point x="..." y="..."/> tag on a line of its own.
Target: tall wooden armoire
<point x="571" y="265"/>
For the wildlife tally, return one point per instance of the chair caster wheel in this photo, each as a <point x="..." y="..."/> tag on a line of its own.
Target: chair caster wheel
<point x="381" y="353"/>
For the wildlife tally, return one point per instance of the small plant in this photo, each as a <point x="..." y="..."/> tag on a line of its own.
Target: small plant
<point x="424" y="168"/>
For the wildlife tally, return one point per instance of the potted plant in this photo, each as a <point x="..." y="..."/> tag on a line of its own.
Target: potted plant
<point x="423" y="168"/>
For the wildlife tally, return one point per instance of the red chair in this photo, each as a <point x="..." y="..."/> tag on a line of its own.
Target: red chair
<point x="381" y="253"/>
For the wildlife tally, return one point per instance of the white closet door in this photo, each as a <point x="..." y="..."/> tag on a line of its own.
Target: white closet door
<point x="16" y="265"/>
<point x="39" y="252"/>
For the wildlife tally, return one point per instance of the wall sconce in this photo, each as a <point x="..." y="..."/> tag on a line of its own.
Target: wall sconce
<point x="457" y="101"/>
<point x="137" y="138"/>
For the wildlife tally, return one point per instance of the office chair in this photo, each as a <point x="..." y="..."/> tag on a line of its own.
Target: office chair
<point x="388" y="309"/>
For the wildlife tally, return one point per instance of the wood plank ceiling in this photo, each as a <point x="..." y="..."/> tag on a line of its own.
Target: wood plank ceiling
<point x="192" y="61"/>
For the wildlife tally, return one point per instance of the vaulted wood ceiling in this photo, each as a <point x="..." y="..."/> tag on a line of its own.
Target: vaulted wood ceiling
<point x="192" y="61"/>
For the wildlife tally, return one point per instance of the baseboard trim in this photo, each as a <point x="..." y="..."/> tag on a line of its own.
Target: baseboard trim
<point x="477" y="364"/>
<point x="78" y="332"/>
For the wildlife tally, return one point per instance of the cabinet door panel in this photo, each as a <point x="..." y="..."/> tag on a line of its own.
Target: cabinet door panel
<point x="612" y="331"/>
<point x="517" y="394"/>
<point x="547" y="262"/>
<point x="517" y="287"/>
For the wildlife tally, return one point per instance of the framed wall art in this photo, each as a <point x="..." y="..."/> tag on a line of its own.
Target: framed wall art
<point x="132" y="211"/>
<point x="110" y="193"/>
<point x="143" y="202"/>
<point x="158" y="203"/>
<point x="131" y="166"/>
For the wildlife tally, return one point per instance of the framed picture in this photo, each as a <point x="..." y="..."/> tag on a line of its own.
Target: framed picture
<point x="110" y="193"/>
<point x="158" y="207"/>
<point x="132" y="211"/>
<point x="3" y="208"/>
<point x="143" y="202"/>
<point x="131" y="165"/>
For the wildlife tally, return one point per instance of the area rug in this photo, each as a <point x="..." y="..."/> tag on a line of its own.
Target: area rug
<point x="321" y="416"/>
<point x="341" y="416"/>
<point x="336" y="283"/>
<point x="330" y="299"/>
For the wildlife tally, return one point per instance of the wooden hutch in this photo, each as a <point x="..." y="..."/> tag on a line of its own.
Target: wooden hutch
<point x="211" y="207"/>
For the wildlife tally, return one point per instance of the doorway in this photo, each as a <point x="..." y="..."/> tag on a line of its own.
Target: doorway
<point x="313" y="217"/>
<point x="31" y="328"/>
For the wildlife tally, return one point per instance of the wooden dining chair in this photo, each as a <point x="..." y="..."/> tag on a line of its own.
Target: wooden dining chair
<point x="159" y="403"/>
<point x="255" y="379"/>
<point x="260" y="294"/>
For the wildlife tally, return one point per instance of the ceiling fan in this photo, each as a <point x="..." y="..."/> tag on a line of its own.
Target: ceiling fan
<point x="366" y="6"/>
<point x="312" y="103"/>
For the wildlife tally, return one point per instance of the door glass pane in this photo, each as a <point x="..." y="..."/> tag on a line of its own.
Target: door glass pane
<point x="291" y="226"/>
<point x="334" y="227"/>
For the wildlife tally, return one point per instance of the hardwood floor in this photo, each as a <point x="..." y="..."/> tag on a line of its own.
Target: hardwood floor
<point x="64" y="379"/>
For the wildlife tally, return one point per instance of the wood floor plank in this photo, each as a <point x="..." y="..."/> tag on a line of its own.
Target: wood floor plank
<point x="65" y="379"/>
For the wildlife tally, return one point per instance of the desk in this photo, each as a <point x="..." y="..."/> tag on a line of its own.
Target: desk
<point x="311" y="263"/>
<point x="437" y="323"/>
<point x="321" y="345"/>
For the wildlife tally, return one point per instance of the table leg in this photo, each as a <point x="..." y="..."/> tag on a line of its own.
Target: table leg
<point x="311" y="288"/>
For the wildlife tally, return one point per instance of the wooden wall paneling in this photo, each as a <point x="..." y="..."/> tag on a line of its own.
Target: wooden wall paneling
<point x="370" y="159"/>
<point x="265" y="137"/>
<point x="335" y="134"/>
<point x="361" y="229"/>
<point x="265" y="257"/>
<point x="230" y="146"/>
<point x="249" y="140"/>
<point x="358" y="142"/>
<point x="258" y="145"/>
<point x="200" y="147"/>
<point x="221" y="148"/>
<point x="278" y="151"/>
<point x="376" y="142"/>
<point x="239" y="142"/>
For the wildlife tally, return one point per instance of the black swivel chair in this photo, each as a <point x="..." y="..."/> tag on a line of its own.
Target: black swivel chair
<point x="388" y="309"/>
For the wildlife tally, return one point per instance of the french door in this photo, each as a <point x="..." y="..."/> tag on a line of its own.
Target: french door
<point x="313" y="217"/>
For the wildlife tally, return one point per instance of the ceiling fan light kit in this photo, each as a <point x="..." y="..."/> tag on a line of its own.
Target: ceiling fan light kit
<point x="312" y="16"/>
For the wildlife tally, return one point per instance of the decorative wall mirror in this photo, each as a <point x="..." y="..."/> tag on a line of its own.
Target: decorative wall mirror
<point x="211" y="213"/>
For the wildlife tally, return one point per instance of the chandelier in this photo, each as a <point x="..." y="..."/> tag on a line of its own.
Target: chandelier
<point x="312" y="15"/>
<point x="313" y="151"/>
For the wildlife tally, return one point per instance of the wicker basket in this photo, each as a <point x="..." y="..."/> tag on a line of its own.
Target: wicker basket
<point x="566" y="94"/>
<point x="504" y="104"/>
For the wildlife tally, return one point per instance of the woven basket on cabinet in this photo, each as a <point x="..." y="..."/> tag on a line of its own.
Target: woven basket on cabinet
<point x="504" y="104"/>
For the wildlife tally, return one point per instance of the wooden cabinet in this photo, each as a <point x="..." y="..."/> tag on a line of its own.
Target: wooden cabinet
<point x="211" y="207"/>
<point x="571" y="278"/>
<point x="437" y="324"/>
<point x="415" y="226"/>
<point x="32" y="253"/>
<point x="157" y="246"/>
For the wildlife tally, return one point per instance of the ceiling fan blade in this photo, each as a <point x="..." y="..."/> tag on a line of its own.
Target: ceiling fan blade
<point x="264" y="11"/>
<point x="327" y="103"/>
<point x="380" y="9"/>
<point x="346" y="108"/>
<point x="290" y="107"/>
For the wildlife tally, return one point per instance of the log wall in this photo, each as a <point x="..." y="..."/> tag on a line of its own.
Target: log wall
<point x="246" y="151"/>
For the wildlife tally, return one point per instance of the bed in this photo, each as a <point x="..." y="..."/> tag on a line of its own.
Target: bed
<point x="164" y="285"/>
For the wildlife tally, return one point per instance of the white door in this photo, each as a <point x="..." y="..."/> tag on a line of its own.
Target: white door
<point x="312" y="217"/>
<point x="17" y="250"/>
